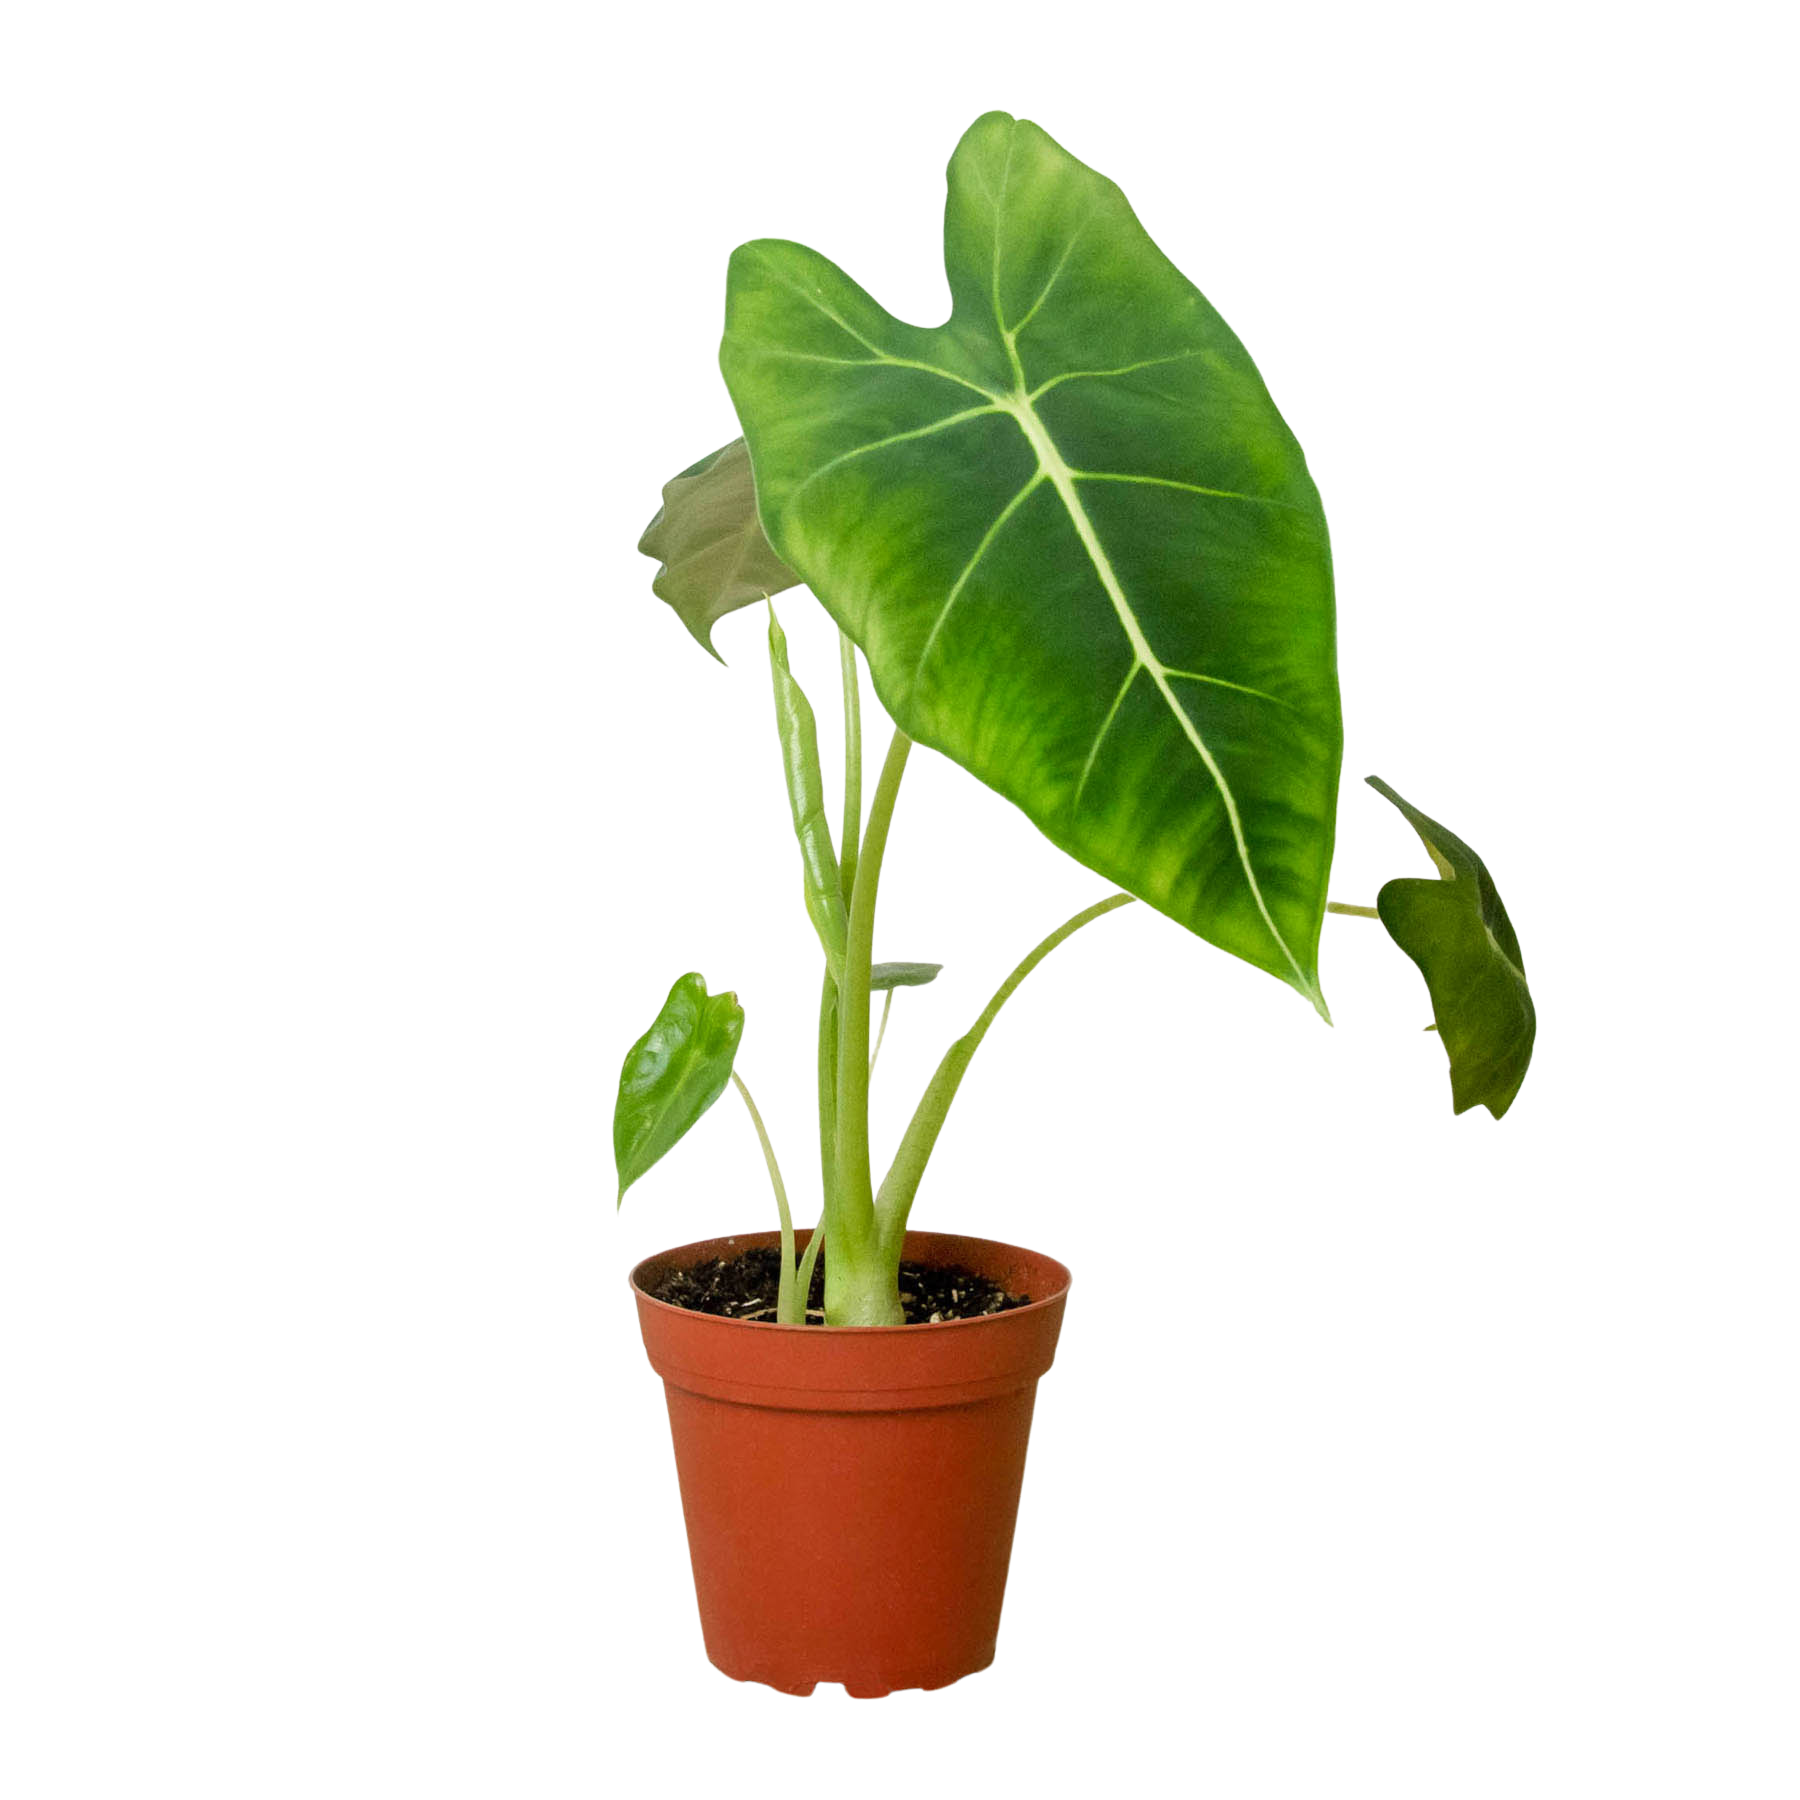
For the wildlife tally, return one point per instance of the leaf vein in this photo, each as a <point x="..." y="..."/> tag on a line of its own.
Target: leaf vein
<point x="1112" y="712"/>
<point x="981" y="549"/>
<point x="875" y="350"/>
<point x="1154" y="362"/>
<point x="1235" y="686"/>
<point x="898" y="437"/>
<point x="1185" y="487"/>
<point x="1031" y="312"/>
<point x="1050" y="463"/>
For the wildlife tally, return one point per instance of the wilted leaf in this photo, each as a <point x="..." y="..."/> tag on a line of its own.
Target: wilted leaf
<point x="1458" y="933"/>
<point x="711" y="545"/>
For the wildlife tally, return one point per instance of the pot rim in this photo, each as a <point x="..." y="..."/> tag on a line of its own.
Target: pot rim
<point x="753" y="1240"/>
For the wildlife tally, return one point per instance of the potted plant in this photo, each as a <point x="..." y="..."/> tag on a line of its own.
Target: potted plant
<point x="1081" y="555"/>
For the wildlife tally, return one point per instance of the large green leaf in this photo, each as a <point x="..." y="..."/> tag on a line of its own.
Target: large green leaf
<point x="1072" y="534"/>
<point x="1458" y="933"/>
<point x="672" y="1074"/>
<point x="707" y="537"/>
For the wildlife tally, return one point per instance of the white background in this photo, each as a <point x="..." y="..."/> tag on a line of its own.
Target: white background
<point x="360" y="802"/>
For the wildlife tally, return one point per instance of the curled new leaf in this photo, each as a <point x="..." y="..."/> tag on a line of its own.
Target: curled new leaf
<point x="1072" y="535"/>
<point x="1458" y="933"/>
<point x="672" y="1074"/>
<point x="806" y="801"/>
<point x="711" y="544"/>
<point x="902" y="974"/>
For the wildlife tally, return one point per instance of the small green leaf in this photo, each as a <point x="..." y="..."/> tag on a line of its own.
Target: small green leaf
<point x="1458" y="933"/>
<point x="806" y="802"/>
<point x="672" y="1074"/>
<point x="900" y="974"/>
<point x="711" y="546"/>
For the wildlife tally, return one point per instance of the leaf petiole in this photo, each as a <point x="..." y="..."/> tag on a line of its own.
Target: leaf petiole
<point x="854" y="1295"/>
<point x="784" y="1296"/>
<point x="850" y="838"/>
<point x="803" y="1279"/>
<point x="887" y="1006"/>
<point x="901" y="1183"/>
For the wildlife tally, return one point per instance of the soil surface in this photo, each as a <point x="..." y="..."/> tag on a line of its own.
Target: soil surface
<point x="745" y="1286"/>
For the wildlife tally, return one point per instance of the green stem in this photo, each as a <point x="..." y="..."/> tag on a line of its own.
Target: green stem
<point x="902" y="1181"/>
<point x="803" y="1280"/>
<point x="854" y="1293"/>
<point x="887" y="1006"/>
<point x="1352" y="912"/>
<point x="828" y="1108"/>
<point x="784" y="1298"/>
<point x="850" y="838"/>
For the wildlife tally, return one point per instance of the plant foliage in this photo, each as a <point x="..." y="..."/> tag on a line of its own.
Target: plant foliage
<point x="1071" y="533"/>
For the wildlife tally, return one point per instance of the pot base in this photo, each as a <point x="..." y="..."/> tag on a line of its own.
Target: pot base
<point x="787" y="1684"/>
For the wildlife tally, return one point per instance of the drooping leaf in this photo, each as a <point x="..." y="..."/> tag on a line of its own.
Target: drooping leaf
<point x="902" y="974"/>
<point x="707" y="537"/>
<point x="1073" y="536"/>
<point x="672" y="1074"/>
<point x="806" y="802"/>
<point x="1458" y="933"/>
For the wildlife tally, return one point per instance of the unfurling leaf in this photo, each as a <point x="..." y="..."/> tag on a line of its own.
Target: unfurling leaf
<point x="1074" y="538"/>
<point x="806" y="801"/>
<point x="672" y="1074"/>
<point x="902" y="974"/>
<point x="1458" y="933"/>
<point x="711" y="545"/>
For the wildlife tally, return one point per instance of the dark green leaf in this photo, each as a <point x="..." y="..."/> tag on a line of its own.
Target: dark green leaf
<point x="902" y="974"/>
<point x="711" y="545"/>
<point x="672" y="1074"/>
<point x="1073" y="536"/>
<point x="1458" y="933"/>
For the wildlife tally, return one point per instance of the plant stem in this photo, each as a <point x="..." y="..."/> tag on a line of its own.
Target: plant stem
<point x="887" y="1006"/>
<point x="850" y="838"/>
<point x="828" y="1075"/>
<point x="803" y="1278"/>
<point x="902" y="1181"/>
<point x="1349" y="911"/>
<point x="854" y="1294"/>
<point x="784" y="1298"/>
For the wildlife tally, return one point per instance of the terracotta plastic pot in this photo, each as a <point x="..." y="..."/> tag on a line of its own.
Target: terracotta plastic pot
<point x="850" y="1494"/>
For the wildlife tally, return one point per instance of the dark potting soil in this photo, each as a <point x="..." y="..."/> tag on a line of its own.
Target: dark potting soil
<point x="745" y="1286"/>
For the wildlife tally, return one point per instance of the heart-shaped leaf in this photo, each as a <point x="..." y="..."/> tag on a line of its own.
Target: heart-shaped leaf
<point x="1458" y="933"/>
<point x="902" y="974"/>
<point x="711" y="544"/>
<point x="672" y="1074"/>
<point x="1073" y="536"/>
